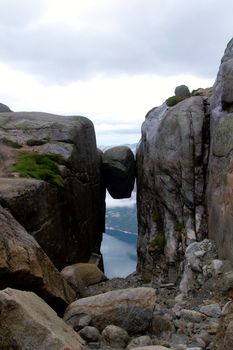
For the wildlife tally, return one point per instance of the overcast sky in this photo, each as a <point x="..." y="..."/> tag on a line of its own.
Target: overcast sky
<point x="110" y="60"/>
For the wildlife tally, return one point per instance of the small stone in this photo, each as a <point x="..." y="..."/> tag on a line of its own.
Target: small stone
<point x="179" y="298"/>
<point x="192" y="315"/>
<point x="153" y="347"/>
<point x="90" y="334"/>
<point x="216" y="266"/>
<point x="179" y="339"/>
<point x="161" y="324"/>
<point x="212" y="310"/>
<point x="144" y="340"/>
<point x="212" y="328"/>
<point x="205" y="336"/>
<point x="182" y="91"/>
<point x="115" y="337"/>
<point x="84" y="321"/>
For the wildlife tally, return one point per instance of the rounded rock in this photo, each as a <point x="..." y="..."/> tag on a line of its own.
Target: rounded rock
<point x="115" y="336"/>
<point x="119" y="171"/>
<point x="90" y="334"/>
<point x="182" y="91"/>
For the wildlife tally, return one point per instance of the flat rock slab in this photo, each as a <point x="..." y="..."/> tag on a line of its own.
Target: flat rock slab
<point x="130" y="309"/>
<point x="27" y="322"/>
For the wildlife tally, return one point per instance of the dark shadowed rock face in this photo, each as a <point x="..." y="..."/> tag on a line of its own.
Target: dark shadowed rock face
<point x="220" y="182"/>
<point x="24" y="265"/>
<point x="67" y="221"/>
<point x="4" y="108"/>
<point x="171" y="166"/>
<point x="119" y="171"/>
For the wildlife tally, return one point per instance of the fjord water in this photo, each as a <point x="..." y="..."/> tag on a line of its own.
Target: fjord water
<point x="120" y="239"/>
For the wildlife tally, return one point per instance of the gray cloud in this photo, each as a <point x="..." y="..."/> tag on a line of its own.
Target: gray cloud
<point x="134" y="37"/>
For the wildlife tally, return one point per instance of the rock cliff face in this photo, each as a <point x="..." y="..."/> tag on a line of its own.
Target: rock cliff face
<point x="171" y="164"/>
<point x="220" y="184"/>
<point x="68" y="220"/>
<point x="185" y="181"/>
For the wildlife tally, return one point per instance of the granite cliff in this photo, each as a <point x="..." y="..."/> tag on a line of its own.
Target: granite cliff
<point x="184" y="165"/>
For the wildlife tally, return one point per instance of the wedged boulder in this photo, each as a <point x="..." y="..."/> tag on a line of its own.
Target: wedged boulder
<point x="220" y="170"/>
<point x="24" y="265"/>
<point x="66" y="219"/>
<point x="27" y="322"/>
<point x="130" y="309"/>
<point x="171" y="166"/>
<point x="4" y="108"/>
<point x="119" y="171"/>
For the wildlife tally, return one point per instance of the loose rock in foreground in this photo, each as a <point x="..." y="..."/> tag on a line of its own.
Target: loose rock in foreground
<point x="27" y="322"/>
<point x="24" y="265"/>
<point x="131" y="309"/>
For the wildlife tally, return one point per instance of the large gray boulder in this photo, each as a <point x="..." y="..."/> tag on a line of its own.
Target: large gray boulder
<point x="66" y="220"/>
<point x="27" y="322"/>
<point x="4" y="108"/>
<point x="24" y="265"/>
<point x="171" y="166"/>
<point x="131" y="309"/>
<point x="119" y="171"/>
<point x="220" y="170"/>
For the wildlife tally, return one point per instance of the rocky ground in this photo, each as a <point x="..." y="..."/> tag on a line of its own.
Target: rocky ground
<point x="179" y="321"/>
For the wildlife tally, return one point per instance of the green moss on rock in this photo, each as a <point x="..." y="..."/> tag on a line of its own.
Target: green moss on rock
<point x="173" y="100"/>
<point x="39" y="166"/>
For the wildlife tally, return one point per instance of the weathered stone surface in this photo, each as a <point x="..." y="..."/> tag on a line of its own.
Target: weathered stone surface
<point x="115" y="336"/>
<point x="151" y="347"/>
<point x="220" y="181"/>
<point x="207" y="92"/>
<point x="192" y="315"/>
<point x="197" y="254"/>
<point x="211" y="310"/>
<point x="67" y="221"/>
<point x="90" y="334"/>
<point x="82" y="275"/>
<point x="119" y="171"/>
<point x="27" y="322"/>
<point x="144" y="340"/>
<point x="224" y="339"/>
<point x="4" y="108"/>
<point x="182" y="91"/>
<point x="24" y="265"/>
<point x="171" y="165"/>
<point x="131" y="309"/>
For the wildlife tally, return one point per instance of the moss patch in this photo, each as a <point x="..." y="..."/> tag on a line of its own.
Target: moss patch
<point x="179" y="227"/>
<point x="173" y="100"/>
<point x="39" y="166"/>
<point x="158" y="242"/>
